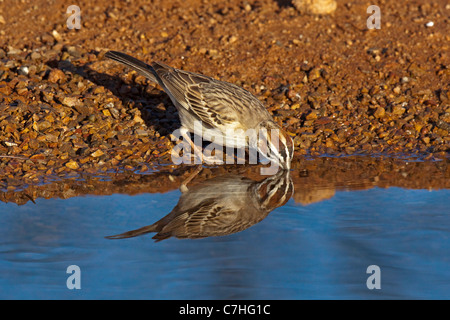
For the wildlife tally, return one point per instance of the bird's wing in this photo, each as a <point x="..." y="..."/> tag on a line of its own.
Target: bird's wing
<point x="200" y="220"/>
<point x="214" y="102"/>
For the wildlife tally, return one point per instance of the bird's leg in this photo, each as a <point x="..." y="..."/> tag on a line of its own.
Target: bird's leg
<point x="183" y="186"/>
<point x="198" y="153"/>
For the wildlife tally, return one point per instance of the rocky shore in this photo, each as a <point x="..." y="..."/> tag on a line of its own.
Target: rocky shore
<point x="337" y="87"/>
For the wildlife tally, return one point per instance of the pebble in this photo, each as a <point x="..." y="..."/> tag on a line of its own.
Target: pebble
<point x="315" y="6"/>
<point x="56" y="35"/>
<point x="72" y="165"/>
<point x="71" y="101"/>
<point x="72" y="50"/>
<point x="97" y="153"/>
<point x="56" y="75"/>
<point x="314" y="74"/>
<point x="380" y="112"/>
<point x="405" y="80"/>
<point x="13" y="51"/>
<point x="23" y="70"/>
<point x="35" y="55"/>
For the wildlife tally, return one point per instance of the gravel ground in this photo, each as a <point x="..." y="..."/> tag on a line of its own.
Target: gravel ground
<point x="336" y="86"/>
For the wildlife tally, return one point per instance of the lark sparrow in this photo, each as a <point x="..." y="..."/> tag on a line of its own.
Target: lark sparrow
<point x="219" y="106"/>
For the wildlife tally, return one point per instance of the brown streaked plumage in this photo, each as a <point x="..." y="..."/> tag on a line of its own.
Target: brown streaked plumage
<point x="218" y="105"/>
<point x="220" y="206"/>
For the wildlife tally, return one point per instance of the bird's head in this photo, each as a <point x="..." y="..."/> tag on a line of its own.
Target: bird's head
<point x="275" y="144"/>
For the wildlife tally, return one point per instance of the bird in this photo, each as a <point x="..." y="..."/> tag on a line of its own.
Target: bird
<point x="219" y="106"/>
<point x="220" y="206"/>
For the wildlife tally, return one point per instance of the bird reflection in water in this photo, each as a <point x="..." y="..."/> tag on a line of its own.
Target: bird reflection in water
<point x="219" y="206"/>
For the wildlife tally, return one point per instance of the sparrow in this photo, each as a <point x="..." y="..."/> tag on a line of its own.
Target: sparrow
<point x="219" y="106"/>
<point x="220" y="206"/>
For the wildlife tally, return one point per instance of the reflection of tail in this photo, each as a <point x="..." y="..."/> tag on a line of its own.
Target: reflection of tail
<point x="141" y="231"/>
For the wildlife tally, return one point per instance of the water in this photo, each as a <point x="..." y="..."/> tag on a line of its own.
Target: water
<point x="317" y="246"/>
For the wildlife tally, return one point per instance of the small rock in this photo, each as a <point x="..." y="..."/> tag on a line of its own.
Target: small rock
<point x="22" y="91"/>
<point x="72" y="50"/>
<point x="115" y="113"/>
<point x="72" y="165"/>
<point x="10" y="144"/>
<point x="232" y="39"/>
<point x="404" y="80"/>
<point x="314" y="74"/>
<point x="56" y="75"/>
<point x="379" y="113"/>
<point x="47" y="39"/>
<point x="137" y="119"/>
<point x="5" y="89"/>
<point x="43" y="125"/>
<point x="13" y="51"/>
<point x="315" y="6"/>
<point x="99" y="90"/>
<point x="71" y="101"/>
<point x="23" y="70"/>
<point x="141" y="132"/>
<point x="97" y="153"/>
<point x="398" y="110"/>
<point x="35" y="55"/>
<point x="312" y="115"/>
<point x="56" y="35"/>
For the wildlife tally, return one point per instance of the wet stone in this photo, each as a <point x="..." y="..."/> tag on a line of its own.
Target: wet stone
<point x="72" y="165"/>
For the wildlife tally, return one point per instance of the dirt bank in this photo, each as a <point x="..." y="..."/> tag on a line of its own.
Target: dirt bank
<point x="339" y="88"/>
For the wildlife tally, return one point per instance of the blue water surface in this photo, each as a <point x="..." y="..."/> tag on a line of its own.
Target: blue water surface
<point x="317" y="251"/>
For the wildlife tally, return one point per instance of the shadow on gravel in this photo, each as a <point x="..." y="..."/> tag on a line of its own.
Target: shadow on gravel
<point x="155" y="106"/>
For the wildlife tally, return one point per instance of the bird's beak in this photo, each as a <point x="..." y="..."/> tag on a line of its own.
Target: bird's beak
<point x="277" y="146"/>
<point x="286" y="149"/>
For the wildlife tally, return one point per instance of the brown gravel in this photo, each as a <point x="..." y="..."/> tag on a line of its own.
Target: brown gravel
<point x="339" y="88"/>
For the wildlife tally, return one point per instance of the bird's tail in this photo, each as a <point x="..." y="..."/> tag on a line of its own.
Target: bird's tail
<point x="133" y="63"/>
